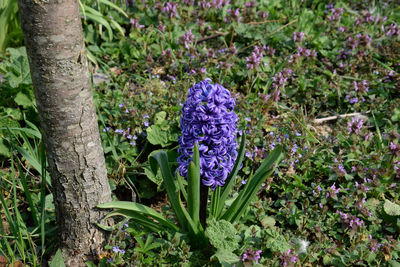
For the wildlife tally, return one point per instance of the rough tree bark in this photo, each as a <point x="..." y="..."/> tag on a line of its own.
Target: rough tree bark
<point x="58" y="63"/>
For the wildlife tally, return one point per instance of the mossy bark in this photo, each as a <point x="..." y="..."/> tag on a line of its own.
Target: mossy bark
<point x="59" y="69"/>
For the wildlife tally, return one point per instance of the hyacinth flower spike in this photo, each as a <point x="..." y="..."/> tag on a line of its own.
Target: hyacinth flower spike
<point x="208" y="160"/>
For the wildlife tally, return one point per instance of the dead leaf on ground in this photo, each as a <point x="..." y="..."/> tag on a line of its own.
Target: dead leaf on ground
<point x="3" y="261"/>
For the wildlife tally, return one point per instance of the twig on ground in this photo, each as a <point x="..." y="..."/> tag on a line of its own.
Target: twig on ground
<point x="330" y="118"/>
<point x="262" y="22"/>
<point x="206" y="38"/>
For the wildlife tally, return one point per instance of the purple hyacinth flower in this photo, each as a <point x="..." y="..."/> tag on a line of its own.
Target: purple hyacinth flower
<point x="209" y="120"/>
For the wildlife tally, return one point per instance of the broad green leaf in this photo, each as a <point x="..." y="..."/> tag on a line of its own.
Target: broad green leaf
<point x="23" y="100"/>
<point x="4" y="150"/>
<point x="58" y="260"/>
<point x="276" y="242"/>
<point x="391" y="209"/>
<point x="267" y="221"/>
<point x="160" y="117"/>
<point x="155" y="178"/>
<point x="226" y="257"/>
<point x="156" y="136"/>
<point x="222" y="235"/>
<point x="18" y="71"/>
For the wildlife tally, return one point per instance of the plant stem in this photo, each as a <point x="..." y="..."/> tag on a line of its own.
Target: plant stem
<point x="203" y="204"/>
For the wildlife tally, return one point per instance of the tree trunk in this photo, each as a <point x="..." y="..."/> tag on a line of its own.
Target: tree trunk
<point x="58" y="63"/>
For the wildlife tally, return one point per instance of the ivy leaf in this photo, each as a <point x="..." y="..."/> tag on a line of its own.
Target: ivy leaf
<point x="222" y="235"/>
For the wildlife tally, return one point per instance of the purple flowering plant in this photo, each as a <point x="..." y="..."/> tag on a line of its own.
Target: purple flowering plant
<point x="208" y="161"/>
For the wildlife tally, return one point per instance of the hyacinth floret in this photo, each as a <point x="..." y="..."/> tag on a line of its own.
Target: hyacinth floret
<point x="208" y="119"/>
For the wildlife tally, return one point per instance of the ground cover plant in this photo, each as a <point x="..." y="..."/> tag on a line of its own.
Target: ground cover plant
<point x="318" y="78"/>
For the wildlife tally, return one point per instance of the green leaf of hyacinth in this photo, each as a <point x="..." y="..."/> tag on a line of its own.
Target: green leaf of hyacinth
<point x="139" y="219"/>
<point x="193" y="196"/>
<point x="231" y="178"/>
<point x="239" y="206"/>
<point x="160" y="159"/>
<point x="196" y="232"/>
<point x="126" y="207"/>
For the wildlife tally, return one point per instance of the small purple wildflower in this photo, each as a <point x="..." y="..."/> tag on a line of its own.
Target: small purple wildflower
<point x="250" y="4"/>
<point x="352" y="43"/>
<point x="235" y="14"/>
<point x="353" y="100"/>
<point x="254" y="60"/>
<point x="374" y="245"/>
<point x="361" y="86"/>
<point x="188" y="2"/>
<point x="288" y="258"/>
<point x="187" y="39"/>
<point x="161" y="27"/>
<point x="351" y="220"/>
<point x="392" y="30"/>
<point x="250" y="255"/>
<point x="364" y="39"/>
<point x="269" y="50"/>
<point x="119" y="131"/>
<point x="355" y="125"/>
<point x="116" y="249"/>
<point x="336" y="14"/>
<point x="204" y="4"/>
<point x="171" y="9"/>
<point x="135" y="23"/>
<point x="280" y="79"/>
<point x="368" y="136"/>
<point x="298" y="36"/>
<point x="332" y="191"/>
<point x="394" y="149"/>
<point x="263" y="14"/>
